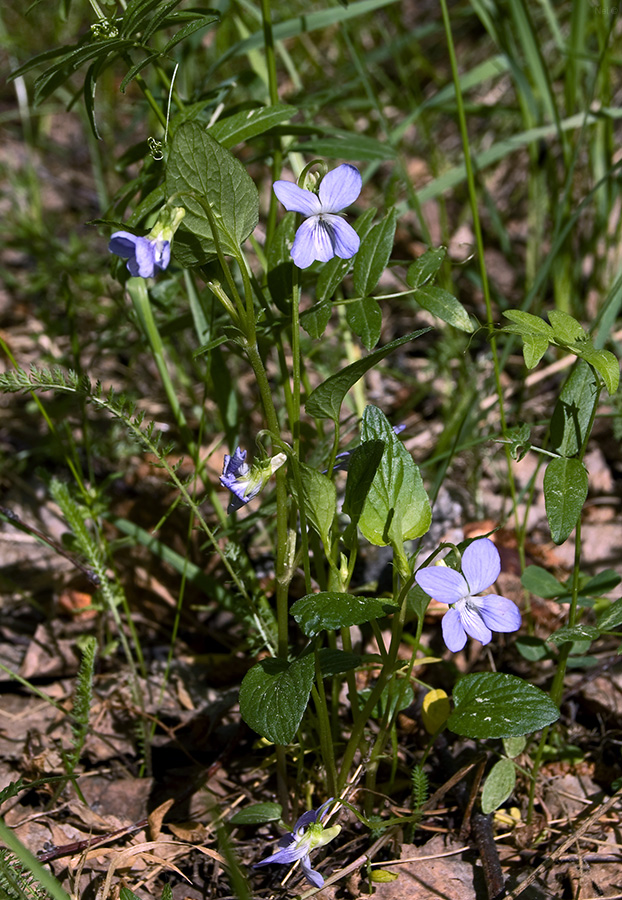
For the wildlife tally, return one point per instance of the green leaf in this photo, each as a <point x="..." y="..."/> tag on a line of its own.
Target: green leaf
<point x="274" y="695"/>
<point x="565" y="492"/>
<point x="566" y="330"/>
<point x="325" y="401"/>
<point x="602" y="583"/>
<point x="315" y="319"/>
<point x="365" y="319"/>
<point x="188" y="29"/>
<point x="257" y="814"/>
<point x="534" y="348"/>
<point x="198" y="165"/>
<point x="605" y="363"/>
<point x="336" y="662"/>
<point x="397" y="508"/>
<point x="329" y="610"/>
<point x="127" y="894"/>
<point x="611" y="618"/>
<point x="532" y="648"/>
<point x="362" y="469"/>
<point x="573" y="411"/>
<point x="526" y="323"/>
<point x="441" y="303"/>
<point x="492" y="705"/>
<point x="249" y="123"/>
<point x="574" y="633"/>
<point x="538" y="581"/>
<point x="373" y="255"/>
<point x="425" y="268"/>
<point x="498" y="786"/>
<point x="319" y="500"/>
<point x="513" y="746"/>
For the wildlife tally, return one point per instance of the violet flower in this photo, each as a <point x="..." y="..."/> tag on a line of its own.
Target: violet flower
<point x="144" y="256"/>
<point x="308" y="835"/>
<point x="470" y="614"/>
<point x="324" y="233"/>
<point x="245" y="481"/>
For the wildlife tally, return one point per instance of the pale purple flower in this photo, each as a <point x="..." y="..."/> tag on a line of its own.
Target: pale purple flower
<point x="324" y="233"/>
<point x="470" y="614"/>
<point x="245" y="481"/>
<point x="308" y="834"/>
<point x="144" y="256"/>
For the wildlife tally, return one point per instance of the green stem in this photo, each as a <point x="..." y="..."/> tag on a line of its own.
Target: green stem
<point x="137" y="289"/>
<point x="480" y="247"/>
<point x="324" y="729"/>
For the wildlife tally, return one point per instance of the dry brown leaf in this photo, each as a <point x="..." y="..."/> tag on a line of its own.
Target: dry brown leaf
<point x="156" y="818"/>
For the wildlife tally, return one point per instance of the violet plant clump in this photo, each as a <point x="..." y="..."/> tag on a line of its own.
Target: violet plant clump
<point x="324" y="233"/>
<point x="470" y="614"/>
<point x="309" y="834"/>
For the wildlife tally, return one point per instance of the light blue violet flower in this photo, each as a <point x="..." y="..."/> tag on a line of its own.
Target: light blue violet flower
<point x="148" y="255"/>
<point x="308" y="835"/>
<point x="144" y="257"/>
<point x="245" y="481"/>
<point x="324" y="233"/>
<point x="470" y="614"/>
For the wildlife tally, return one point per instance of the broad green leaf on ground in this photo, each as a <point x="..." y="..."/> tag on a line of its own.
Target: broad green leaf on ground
<point x="498" y="786"/>
<point x="441" y="303"/>
<point x="565" y="492"/>
<point x="328" y="610"/>
<point x="373" y="255"/>
<point x="397" y="508"/>
<point x="274" y="695"/>
<point x="199" y="167"/>
<point x="425" y="268"/>
<point x="364" y="317"/>
<point x="249" y="123"/>
<point x="325" y="401"/>
<point x="493" y="705"/>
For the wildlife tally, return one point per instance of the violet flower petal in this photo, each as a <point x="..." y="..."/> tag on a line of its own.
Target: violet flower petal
<point x="473" y="623"/>
<point x="442" y="583"/>
<point x="340" y="188"/>
<point x="311" y="875"/>
<point x="454" y="634"/>
<point x="346" y="241"/>
<point x="481" y="565"/>
<point x="297" y="199"/>
<point x="499" y="613"/>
